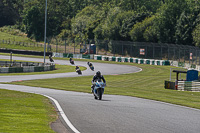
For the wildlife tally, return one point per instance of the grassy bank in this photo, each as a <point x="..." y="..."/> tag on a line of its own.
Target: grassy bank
<point x="21" y="47"/>
<point x="13" y="39"/>
<point x="147" y="84"/>
<point x="7" y="36"/>
<point x="25" y="112"/>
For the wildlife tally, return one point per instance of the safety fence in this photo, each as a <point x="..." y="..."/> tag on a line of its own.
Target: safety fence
<point x="146" y="50"/>
<point x="132" y="60"/>
<point x="129" y="59"/>
<point x="68" y="55"/>
<point x="23" y="43"/>
<point x="188" y="86"/>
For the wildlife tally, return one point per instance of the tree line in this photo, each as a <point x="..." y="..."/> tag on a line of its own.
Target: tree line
<point x="158" y="21"/>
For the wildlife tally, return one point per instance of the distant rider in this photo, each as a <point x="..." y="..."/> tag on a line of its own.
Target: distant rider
<point x="89" y="64"/>
<point x="70" y="59"/>
<point x="50" y="58"/>
<point x="95" y="78"/>
<point x="77" y="67"/>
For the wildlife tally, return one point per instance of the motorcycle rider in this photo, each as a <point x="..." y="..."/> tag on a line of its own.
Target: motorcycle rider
<point x="78" y="70"/>
<point x="70" y="59"/>
<point x="89" y="64"/>
<point x="77" y="67"/>
<point x="95" y="78"/>
<point x="50" y="58"/>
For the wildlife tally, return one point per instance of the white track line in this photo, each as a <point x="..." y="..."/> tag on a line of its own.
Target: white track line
<point x="62" y="113"/>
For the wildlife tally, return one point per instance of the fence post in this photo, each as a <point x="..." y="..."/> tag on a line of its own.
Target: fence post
<point x="145" y="52"/>
<point x="10" y="57"/>
<point x="189" y="56"/>
<point x="65" y="46"/>
<point x="122" y="49"/>
<point x="184" y="55"/>
<point x="74" y="47"/>
<point x="153" y="51"/>
<point x="168" y="52"/>
<point x="179" y="55"/>
<point x="196" y="57"/>
<point x="113" y="46"/>
<point x="131" y="50"/>
<point x="199" y="58"/>
<point x="161" y="51"/>
<point x="174" y="53"/>
<point x="56" y="46"/>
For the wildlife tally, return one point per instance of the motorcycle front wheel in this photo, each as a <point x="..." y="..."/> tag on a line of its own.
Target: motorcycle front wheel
<point x="100" y="94"/>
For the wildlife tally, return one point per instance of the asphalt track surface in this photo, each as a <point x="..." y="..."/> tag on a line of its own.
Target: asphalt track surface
<point x="113" y="114"/>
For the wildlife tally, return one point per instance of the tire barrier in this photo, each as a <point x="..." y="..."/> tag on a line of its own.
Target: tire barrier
<point x="20" y="67"/>
<point x="129" y="59"/>
<point x="68" y="55"/>
<point x="133" y="60"/>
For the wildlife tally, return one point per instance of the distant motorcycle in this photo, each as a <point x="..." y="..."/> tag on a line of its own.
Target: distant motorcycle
<point x="99" y="89"/>
<point x="91" y="66"/>
<point x="78" y="70"/>
<point x="72" y="62"/>
<point x="50" y="58"/>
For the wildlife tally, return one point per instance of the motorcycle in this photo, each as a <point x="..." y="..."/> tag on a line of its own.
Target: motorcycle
<point x="50" y="58"/>
<point x="72" y="62"/>
<point x="99" y="89"/>
<point x="91" y="66"/>
<point x="79" y="71"/>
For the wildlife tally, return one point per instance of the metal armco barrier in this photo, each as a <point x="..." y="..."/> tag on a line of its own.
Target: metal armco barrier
<point x="188" y="86"/>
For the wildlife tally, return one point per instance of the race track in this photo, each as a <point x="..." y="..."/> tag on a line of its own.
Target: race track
<point x="113" y="114"/>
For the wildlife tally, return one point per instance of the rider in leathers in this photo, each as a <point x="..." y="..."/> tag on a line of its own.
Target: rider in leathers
<point x="95" y="78"/>
<point x="89" y="64"/>
<point x="70" y="59"/>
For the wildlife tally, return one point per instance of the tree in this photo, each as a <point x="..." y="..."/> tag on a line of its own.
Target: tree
<point x="34" y="23"/>
<point x="10" y="12"/>
<point x="185" y="25"/>
<point x="166" y="20"/>
<point x="139" y="32"/>
<point x="196" y="35"/>
<point x="85" y="22"/>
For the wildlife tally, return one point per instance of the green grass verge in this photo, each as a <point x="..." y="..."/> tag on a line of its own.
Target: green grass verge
<point x="25" y="113"/>
<point x="147" y="84"/>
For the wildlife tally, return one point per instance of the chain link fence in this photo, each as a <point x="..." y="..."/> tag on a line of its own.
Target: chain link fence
<point x="162" y="51"/>
<point x="181" y="53"/>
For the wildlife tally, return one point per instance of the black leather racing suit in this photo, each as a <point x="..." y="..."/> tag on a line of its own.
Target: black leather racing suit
<point x="95" y="78"/>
